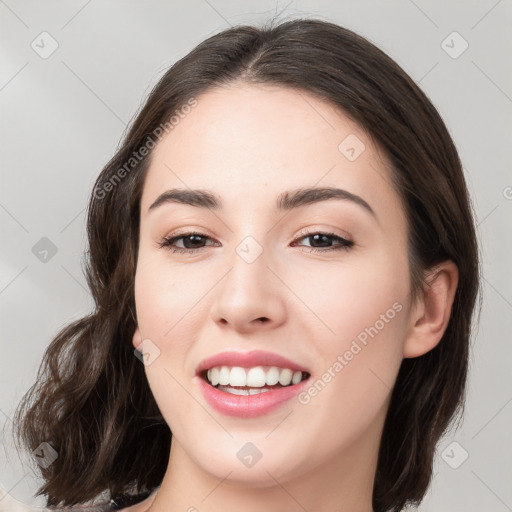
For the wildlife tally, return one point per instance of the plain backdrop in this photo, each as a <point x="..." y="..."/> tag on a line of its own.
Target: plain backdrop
<point x="72" y="75"/>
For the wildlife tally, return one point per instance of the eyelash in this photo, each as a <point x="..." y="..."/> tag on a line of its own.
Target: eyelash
<point x="344" y="244"/>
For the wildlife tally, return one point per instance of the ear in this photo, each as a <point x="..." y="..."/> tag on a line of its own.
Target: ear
<point x="137" y="338"/>
<point x="432" y="310"/>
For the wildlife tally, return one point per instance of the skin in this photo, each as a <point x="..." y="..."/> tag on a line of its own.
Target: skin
<point x="248" y="144"/>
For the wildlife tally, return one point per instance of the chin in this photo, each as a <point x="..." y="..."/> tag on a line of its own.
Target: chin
<point x="251" y="462"/>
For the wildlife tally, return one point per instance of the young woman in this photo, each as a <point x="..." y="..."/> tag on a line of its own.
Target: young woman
<point x="284" y="265"/>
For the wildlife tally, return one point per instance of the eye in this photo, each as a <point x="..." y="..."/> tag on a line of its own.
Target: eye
<point x="322" y="242"/>
<point x="191" y="242"/>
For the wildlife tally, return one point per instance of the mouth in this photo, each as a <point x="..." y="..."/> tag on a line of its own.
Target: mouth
<point x="237" y="380"/>
<point x="250" y="384"/>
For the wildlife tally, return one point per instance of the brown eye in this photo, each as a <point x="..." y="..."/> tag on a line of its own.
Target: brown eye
<point x="323" y="242"/>
<point x="185" y="242"/>
<point x="192" y="241"/>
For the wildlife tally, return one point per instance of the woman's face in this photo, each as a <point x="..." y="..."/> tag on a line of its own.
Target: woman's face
<point x="259" y="281"/>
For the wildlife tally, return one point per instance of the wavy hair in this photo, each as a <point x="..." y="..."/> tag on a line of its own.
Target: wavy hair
<point x="92" y="401"/>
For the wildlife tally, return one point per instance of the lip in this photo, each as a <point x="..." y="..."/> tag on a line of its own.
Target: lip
<point x="249" y="360"/>
<point x="248" y="406"/>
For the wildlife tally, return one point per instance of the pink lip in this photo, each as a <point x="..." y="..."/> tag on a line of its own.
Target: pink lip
<point x="248" y="406"/>
<point x="248" y="360"/>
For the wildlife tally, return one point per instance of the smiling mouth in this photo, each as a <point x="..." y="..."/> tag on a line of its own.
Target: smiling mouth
<point x="252" y="381"/>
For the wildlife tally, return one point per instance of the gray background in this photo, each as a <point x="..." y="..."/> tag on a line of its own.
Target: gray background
<point x="62" y="117"/>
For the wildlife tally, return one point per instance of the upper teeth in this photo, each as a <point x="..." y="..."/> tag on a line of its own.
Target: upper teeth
<point x="256" y="377"/>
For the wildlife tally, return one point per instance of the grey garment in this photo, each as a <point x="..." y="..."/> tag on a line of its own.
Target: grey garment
<point x="100" y="504"/>
<point x="103" y="503"/>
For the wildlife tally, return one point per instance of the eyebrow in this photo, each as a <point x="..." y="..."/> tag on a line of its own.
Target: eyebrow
<point x="286" y="200"/>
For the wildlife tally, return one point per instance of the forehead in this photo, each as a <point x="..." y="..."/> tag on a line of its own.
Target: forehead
<point x="244" y="139"/>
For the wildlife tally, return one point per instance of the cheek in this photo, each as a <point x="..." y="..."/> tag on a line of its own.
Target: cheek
<point x="362" y="314"/>
<point x="165" y="297"/>
<point x="354" y="298"/>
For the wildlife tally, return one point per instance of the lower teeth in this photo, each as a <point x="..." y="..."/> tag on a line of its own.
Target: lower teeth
<point x="242" y="391"/>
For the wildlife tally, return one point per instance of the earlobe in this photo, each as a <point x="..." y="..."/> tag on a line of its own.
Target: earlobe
<point x="136" y="338"/>
<point x="432" y="313"/>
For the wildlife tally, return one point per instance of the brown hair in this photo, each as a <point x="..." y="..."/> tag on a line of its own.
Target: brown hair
<point x="92" y="401"/>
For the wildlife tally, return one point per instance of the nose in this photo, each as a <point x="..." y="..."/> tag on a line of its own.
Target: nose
<point x="250" y="298"/>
